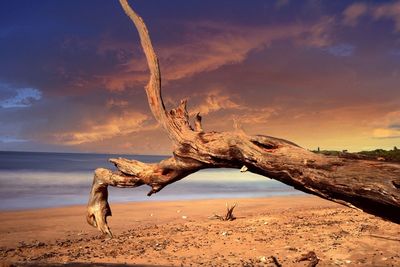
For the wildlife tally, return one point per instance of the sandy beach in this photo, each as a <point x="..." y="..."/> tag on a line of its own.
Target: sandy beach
<point x="267" y="232"/>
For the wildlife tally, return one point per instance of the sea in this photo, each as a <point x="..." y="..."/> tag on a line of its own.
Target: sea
<point x="30" y="180"/>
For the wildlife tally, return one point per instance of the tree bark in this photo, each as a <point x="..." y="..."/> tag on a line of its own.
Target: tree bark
<point x="371" y="186"/>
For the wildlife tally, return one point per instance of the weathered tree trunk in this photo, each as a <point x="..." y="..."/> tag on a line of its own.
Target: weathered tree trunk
<point x="373" y="187"/>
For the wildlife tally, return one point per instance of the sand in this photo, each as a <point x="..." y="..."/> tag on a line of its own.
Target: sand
<point x="180" y="233"/>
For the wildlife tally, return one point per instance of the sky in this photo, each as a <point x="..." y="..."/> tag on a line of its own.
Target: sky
<point x="319" y="73"/>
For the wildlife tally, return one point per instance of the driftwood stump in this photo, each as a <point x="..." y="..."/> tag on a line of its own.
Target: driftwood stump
<point x="371" y="186"/>
<point x="228" y="215"/>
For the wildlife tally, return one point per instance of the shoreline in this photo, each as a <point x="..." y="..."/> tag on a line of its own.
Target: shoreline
<point x="180" y="232"/>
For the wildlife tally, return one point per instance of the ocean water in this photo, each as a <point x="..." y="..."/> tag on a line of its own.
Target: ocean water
<point x="37" y="180"/>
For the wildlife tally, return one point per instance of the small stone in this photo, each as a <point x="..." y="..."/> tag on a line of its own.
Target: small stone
<point x="244" y="169"/>
<point x="226" y="233"/>
<point x="184" y="217"/>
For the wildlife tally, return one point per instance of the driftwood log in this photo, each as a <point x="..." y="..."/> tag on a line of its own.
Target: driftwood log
<point x="371" y="186"/>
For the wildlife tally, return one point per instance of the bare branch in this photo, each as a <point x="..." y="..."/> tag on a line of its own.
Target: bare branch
<point x="153" y="88"/>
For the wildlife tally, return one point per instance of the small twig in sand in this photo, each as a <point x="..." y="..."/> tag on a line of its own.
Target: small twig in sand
<point x="310" y="256"/>
<point x="228" y="216"/>
<point x="275" y="261"/>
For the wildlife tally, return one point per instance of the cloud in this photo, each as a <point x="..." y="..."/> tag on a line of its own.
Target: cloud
<point x="97" y="131"/>
<point x="256" y="116"/>
<point x="386" y="133"/>
<point x="388" y="126"/>
<point x="214" y="101"/>
<point x="111" y="103"/>
<point x="24" y="98"/>
<point x="318" y="34"/>
<point x="389" y="11"/>
<point x="213" y="45"/>
<point x="341" y="50"/>
<point x="354" y="12"/>
<point x="218" y="100"/>
<point x="7" y="139"/>
<point x="395" y="126"/>
<point x="206" y="47"/>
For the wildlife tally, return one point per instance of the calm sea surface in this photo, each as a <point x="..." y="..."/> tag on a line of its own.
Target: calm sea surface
<point x="36" y="180"/>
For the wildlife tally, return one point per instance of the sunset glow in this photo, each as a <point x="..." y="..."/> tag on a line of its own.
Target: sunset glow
<point x="319" y="73"/>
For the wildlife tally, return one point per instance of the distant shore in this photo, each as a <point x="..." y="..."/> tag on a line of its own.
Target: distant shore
<point x="172" y="233"/>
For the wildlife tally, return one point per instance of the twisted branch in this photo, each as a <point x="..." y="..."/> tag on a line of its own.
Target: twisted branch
<point x="367" y="185"/>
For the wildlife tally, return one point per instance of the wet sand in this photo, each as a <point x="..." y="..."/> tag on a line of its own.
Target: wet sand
<point x="267" y="232"/>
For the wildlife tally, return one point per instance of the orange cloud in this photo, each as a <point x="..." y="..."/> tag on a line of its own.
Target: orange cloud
<point x="111" y="127"/>
<point x="230" y="111"/>
<point x="388" y="126"/>
<point x="207" y="47"/>
<point x="214" y="100"/>
<point x="386" y="133"/>
<point x="256" y="116"/>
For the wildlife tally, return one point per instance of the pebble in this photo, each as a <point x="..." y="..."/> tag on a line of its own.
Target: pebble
<point x="226" y="233"/>
<point x="263" y="259"/>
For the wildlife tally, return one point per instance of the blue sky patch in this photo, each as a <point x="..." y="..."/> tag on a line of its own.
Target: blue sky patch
<point x="22" y="99"/>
